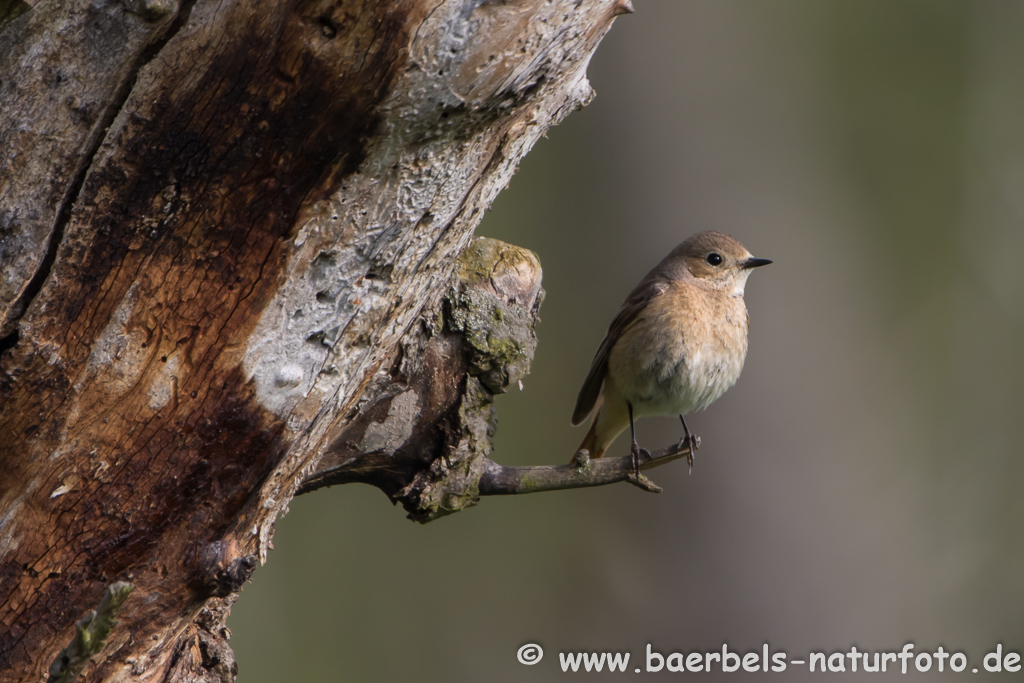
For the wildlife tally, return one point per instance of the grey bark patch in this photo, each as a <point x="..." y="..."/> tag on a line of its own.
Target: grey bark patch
<point x="395" y="430"/>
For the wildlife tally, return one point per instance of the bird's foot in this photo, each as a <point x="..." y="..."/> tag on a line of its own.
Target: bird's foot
<point x="639" y="455"/>
<point x="690" y="443"/>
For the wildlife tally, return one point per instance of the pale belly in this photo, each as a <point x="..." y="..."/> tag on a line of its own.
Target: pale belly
<point x="667" y="373"/>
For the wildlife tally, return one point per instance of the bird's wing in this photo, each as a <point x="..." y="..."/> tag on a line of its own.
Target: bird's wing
<point x="649" y="288"/>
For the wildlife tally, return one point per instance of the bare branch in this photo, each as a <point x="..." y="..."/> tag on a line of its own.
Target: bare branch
<point x="499" y="480"/>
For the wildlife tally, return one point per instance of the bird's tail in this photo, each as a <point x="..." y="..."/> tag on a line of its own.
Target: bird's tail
<point x="590" y="440"/>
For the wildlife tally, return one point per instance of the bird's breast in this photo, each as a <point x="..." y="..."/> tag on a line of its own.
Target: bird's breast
<point x="682" y="353"/>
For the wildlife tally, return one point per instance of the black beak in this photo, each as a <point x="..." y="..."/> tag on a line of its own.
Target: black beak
<point x="755" y="262"/>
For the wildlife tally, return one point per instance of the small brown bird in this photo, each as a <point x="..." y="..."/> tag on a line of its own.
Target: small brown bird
<point x="677" y="343"/>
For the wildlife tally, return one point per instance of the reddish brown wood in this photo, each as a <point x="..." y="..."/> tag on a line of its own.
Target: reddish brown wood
<point x="256" y="205"/>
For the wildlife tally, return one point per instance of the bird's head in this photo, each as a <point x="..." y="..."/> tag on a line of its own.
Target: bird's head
<point x="718" y="260"/>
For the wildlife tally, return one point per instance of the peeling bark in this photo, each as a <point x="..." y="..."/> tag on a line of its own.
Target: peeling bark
<point x="426" y="438"/>
<point x="225" y="233"/>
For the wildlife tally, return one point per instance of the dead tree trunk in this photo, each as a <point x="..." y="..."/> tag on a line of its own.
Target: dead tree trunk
<point x="228" y="232"/>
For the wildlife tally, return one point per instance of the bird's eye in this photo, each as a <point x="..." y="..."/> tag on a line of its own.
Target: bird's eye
<point x="713" y="259"/>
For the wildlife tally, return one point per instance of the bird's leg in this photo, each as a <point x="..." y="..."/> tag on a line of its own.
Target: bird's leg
<point x="692" y="443"/>
<point x="635" y="450"/>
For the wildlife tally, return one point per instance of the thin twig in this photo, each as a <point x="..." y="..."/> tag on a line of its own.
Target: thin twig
<point x="500" y="480"/>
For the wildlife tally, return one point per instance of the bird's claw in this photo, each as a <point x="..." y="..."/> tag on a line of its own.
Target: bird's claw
<point x="690" y="443"/>
<point x="639" y="455"/>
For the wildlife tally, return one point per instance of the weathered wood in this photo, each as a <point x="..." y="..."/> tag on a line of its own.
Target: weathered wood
<point x="218" y="224"/>
<point x="424" y="440"/>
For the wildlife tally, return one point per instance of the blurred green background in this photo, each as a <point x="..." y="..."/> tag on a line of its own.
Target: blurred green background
<point x="861" y="485"/>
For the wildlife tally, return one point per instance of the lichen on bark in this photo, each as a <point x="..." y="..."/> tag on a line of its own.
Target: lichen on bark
<point x="429" y="454"/>
<point x="498" y="330"/>
<point x="493" y="307"/>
